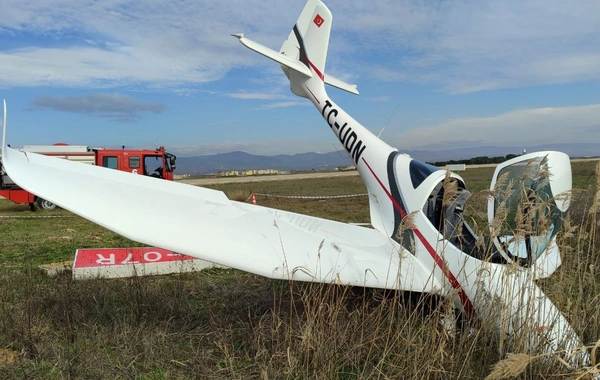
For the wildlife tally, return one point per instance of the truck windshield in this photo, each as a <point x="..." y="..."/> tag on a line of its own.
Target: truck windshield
<point x="170" y="161"/>
<point x="153" y="166"/>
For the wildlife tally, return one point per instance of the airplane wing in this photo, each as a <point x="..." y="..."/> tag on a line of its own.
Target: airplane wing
<point x="204" y="223"/>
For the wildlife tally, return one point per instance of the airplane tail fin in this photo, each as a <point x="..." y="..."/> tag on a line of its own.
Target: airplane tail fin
<point x="304" y="53"/>
<point x="308" y="41"/>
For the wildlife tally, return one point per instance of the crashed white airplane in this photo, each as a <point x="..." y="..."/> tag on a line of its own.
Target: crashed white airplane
<point x="491" y="279"/>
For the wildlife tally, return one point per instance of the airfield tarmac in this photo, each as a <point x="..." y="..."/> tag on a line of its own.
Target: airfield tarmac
<point x="265" y="178"/>
<point x="283" y="177"/>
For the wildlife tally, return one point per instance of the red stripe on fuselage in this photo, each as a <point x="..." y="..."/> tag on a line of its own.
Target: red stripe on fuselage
<point x="303" y="55"/>
<point x="312" y="65"/>
<point x="313" y="95"/>
<point x="319" y="73"/>
<point x="438" y="260"/>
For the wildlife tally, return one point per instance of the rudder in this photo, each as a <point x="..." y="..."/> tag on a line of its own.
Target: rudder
<point x="308" y="41"/>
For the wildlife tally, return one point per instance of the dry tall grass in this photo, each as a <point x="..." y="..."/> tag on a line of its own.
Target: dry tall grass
<point x="223" y="324"/>
<point x="319" y="331"/>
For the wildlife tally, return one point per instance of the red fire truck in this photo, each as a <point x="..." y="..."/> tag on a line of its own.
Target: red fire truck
<point x="154" y="163"/>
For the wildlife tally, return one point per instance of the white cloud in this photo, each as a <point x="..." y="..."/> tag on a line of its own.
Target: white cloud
<point x="114" y="106"/>
<point x="254" y="95"/>
<point x="382" y="98"/>
<point x="523" y="127"/>
<point x="283" y="101"/>
<point x="461" y="46"/>
<point x="473" y="45"/>
<point x="264" y="147"/>
<point x="90" y="67"/>
<point x="105" y="44"/>
<point x="292" y="103"/>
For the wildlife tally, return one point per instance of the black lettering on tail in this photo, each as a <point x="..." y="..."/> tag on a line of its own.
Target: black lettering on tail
<point x="350" y="145"/>
<point x="357" y="151"/>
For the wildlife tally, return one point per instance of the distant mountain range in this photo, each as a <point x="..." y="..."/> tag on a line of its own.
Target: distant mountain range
<point x="242" y="161"/>
<point x="573" y="150"/>
<point x="199" y="165"/>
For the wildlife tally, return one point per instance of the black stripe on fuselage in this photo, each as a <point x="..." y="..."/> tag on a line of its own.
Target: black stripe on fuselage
<point x="406" y="239"/>
<point x="303" y="55"/>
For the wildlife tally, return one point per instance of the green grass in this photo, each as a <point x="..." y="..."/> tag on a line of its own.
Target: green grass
<point x="226" y="324"/>
<point x="48" y="236"/>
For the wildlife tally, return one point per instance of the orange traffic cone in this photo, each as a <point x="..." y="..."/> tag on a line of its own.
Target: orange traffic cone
<point x="253" y="199"/>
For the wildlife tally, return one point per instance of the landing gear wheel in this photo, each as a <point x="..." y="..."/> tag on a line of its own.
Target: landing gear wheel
<point x="45" y="205"/>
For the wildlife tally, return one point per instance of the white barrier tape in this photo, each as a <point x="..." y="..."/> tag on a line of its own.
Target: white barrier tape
<point x="311" y="196"/>
<point x="34" y="217"/>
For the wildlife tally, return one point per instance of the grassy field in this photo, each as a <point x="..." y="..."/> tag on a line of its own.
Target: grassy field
<point x="226" y="324"/>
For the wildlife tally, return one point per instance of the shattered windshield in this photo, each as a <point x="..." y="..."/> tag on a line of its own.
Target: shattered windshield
<point x="526" y="215"/>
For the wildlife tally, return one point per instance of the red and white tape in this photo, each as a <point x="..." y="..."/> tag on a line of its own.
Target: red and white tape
<point x="34" y="217"/>
<point x="312" y="196"/>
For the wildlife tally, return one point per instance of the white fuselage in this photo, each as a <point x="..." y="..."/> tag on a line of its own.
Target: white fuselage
<point x="480" y="288"/>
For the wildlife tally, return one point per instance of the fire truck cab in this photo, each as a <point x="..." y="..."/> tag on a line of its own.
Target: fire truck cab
<point x="156" y="163"/>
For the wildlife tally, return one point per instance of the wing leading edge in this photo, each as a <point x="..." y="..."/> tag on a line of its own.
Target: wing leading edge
<point x="204" y="223"/>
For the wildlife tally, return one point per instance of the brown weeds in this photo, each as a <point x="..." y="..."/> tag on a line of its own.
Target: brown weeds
<point x="224" y="324"/>
<point x="511" y="367"/>
<point x="238" y="195"/>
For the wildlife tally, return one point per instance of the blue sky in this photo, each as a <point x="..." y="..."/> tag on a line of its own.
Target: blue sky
<point x="446" y="74"/>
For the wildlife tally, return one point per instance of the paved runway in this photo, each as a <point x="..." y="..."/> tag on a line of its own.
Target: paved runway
<point x="283" y="177"/>
<point x="264" y="178"/>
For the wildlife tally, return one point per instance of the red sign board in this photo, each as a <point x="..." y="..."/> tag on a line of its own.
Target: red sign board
<point x="106" y="257"/>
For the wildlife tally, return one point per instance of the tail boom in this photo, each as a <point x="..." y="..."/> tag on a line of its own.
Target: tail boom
<point x="367" y="151"/>
<point x="302" y="57"/>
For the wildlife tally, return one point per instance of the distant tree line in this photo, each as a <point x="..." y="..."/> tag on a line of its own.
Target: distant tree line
<point x="477" y="160"/>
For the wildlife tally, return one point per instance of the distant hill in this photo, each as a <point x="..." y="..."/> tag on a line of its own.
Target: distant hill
<point x="242" y="160"/>
<point x="325" y="161"/>
<point x="573" y="150"/>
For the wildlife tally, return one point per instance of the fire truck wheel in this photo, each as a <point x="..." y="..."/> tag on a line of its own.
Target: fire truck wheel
<point x="45" y="205"/>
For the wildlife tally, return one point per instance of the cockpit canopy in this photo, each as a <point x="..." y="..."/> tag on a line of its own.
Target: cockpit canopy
<point x="531" y="197"/>
<point x="528" y="201"/>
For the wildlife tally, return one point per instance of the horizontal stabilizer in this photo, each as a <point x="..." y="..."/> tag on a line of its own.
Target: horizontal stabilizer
<point x="296" y="65"/>
<point x="338" y="83"/>
<point x="274" y="55"/>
